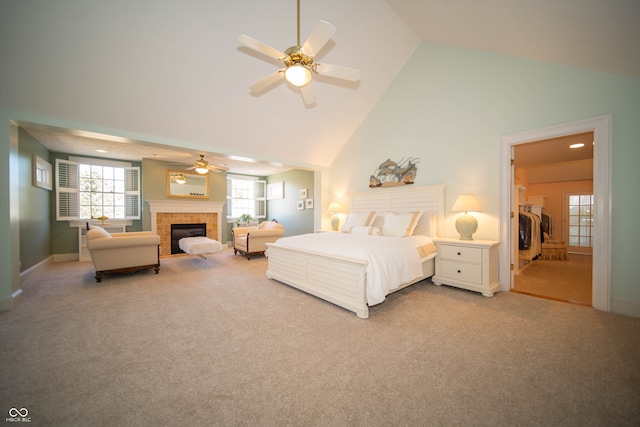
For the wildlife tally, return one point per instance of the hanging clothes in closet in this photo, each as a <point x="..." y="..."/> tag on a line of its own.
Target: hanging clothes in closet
<point x="530" y="236"/>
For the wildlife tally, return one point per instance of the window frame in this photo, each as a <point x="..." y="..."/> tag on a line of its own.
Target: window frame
<point x="68" y="189"/>
<point x="259" y="199"/>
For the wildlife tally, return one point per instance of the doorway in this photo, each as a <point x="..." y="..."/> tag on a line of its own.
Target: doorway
<point x="554" y="181"/>
<point x="601" y="265"/>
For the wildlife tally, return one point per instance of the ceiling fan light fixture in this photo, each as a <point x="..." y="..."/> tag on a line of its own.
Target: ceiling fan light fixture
<point x="202" y="171"/>
<point x="181" y="179"/>
<point x="298" y="75"/>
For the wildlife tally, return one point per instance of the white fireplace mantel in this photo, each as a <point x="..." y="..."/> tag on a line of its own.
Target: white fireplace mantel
<point x="184" y="206"/>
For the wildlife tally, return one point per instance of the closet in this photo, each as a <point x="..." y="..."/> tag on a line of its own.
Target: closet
<point x="532" y="227"/>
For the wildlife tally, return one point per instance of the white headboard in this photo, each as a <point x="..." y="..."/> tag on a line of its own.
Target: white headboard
<point x="408" y="198"/>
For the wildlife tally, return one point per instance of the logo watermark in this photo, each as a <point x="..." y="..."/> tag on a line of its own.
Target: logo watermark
<point x="18" y="416"/>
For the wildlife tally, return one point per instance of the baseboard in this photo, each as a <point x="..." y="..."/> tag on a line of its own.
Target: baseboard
<point x="65" y="257"/>
<point x="7" y="303"/>
<point x="626" y="308"/>
<point x="35" y="267"/>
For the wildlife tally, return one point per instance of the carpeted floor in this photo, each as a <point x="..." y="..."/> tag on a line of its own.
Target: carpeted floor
<point x="219" y="344"/>
<point x="563" y="280"/>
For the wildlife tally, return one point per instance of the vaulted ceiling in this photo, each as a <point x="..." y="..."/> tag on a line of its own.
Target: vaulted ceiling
<point x="175" y="69"/>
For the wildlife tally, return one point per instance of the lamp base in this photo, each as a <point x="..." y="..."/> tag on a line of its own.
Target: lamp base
<point x="466" y="225"/>
<point x="335" y="222"/>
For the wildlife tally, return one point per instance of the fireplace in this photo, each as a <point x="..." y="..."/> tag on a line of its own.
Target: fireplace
<point x="167" y="212"/>
<point x="179" y="231"/>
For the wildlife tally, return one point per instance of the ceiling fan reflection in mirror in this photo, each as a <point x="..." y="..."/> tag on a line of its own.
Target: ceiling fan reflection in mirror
<point x="299" y="62"/>
<point x="202" y="166"/>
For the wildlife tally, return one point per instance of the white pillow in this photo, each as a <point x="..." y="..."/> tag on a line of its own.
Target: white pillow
<point x="365" y="230"/>
<point x="400" y="224"/>
<point x="427" y="225"/>
<point x="358" y="220"/>
<point x="96" y="232"/>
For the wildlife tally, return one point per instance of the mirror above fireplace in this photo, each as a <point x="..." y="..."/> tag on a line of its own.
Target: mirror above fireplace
<point x="185" y="184"/>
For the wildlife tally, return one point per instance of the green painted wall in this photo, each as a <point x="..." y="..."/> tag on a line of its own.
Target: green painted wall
<point x="285" y="210"/>
<point x="154" y="187"/>
<point x="35" y="205"/>
<point x="449" y="106"/>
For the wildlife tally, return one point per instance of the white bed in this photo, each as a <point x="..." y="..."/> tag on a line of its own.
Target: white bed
<point x="330" y="268"/>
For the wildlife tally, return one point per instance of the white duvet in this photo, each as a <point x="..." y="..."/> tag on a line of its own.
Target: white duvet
<point x="391" y="261"/>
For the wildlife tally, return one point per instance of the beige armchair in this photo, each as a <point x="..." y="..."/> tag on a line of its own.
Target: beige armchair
<point x="122" y="252"/>
<point x="252" y="240"/>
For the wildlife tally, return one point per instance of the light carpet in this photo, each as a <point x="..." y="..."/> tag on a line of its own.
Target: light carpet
<point x="219" y="344"/>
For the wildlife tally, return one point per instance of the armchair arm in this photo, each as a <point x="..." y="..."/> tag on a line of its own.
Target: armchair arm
<point x="266" y="233"/>
<point x="239" y="231"/>
<point x="121" y="242"/>
<point x="132" y="234"/>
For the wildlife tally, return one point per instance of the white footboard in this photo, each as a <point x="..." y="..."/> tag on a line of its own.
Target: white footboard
<point x="339" y="281"/>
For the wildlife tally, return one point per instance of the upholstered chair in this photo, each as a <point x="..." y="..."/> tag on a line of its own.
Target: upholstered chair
<point x="122" y="252"/>
<point x="252" y="240"/>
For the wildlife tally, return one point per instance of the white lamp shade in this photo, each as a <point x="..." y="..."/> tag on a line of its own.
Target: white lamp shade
<point x="334" y="207"/>
<point x="466" y="203"/>
<point x="297" y="75"/>
<point x="202" y="171"/>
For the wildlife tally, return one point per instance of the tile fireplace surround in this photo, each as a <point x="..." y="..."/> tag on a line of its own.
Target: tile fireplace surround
<point x="167" y="212"/>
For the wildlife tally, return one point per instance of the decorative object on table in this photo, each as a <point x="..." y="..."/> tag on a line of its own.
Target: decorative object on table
<point x="102" y="219"/>
<point x="466" y="224"/>
<point x="299" y="62"/>
<point x="303" y="193"/>
<point x="334" y="210"/>
<point x="308" y="204"/>
<point x="300" y="205"/>
<point x="244" y="218"/>
<point x="390" y="173"/>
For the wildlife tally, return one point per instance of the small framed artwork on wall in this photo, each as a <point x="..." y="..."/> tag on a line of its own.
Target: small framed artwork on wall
<point x="300" y="205"/>
<point x="308" y="204"/>
<point x="303" y="193"/>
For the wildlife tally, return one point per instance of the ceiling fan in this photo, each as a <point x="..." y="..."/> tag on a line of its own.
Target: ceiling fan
<point x="299" y="62"/>
<point x="202" y="166"/>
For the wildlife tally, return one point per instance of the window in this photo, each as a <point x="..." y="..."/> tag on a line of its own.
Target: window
<point x="91" y="188"/>
<point x="246" y="195"/>
<point x="41" y="173"/>
<point x="581" y="220"/>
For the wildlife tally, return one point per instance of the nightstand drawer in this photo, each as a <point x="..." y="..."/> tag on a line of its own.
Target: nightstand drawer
<point x="459" y="271"/>
<point x="460" y="253"/>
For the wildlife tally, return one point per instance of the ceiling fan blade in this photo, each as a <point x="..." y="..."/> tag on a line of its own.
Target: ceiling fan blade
<point x="191" y="168"/>
<point x="318" y="38"/>
<point x="217" y="169"/>
<point x="267" y="82"/>
<point x="338" y="72"/>
<point x="308" y="94"/>
<point x="260" y="47"/>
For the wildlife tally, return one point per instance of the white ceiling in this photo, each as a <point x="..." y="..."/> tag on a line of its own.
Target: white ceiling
<point x="601" y="35"/>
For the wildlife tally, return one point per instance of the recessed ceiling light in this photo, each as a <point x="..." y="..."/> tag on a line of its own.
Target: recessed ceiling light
<point x="101" y="151"/>
<point x="579" y="145"/>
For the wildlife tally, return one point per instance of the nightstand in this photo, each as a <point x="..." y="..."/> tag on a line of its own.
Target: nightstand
<point x="468" y="264"/>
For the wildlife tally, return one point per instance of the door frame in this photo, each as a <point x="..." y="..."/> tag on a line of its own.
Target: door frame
<point x="601" y="266"/>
